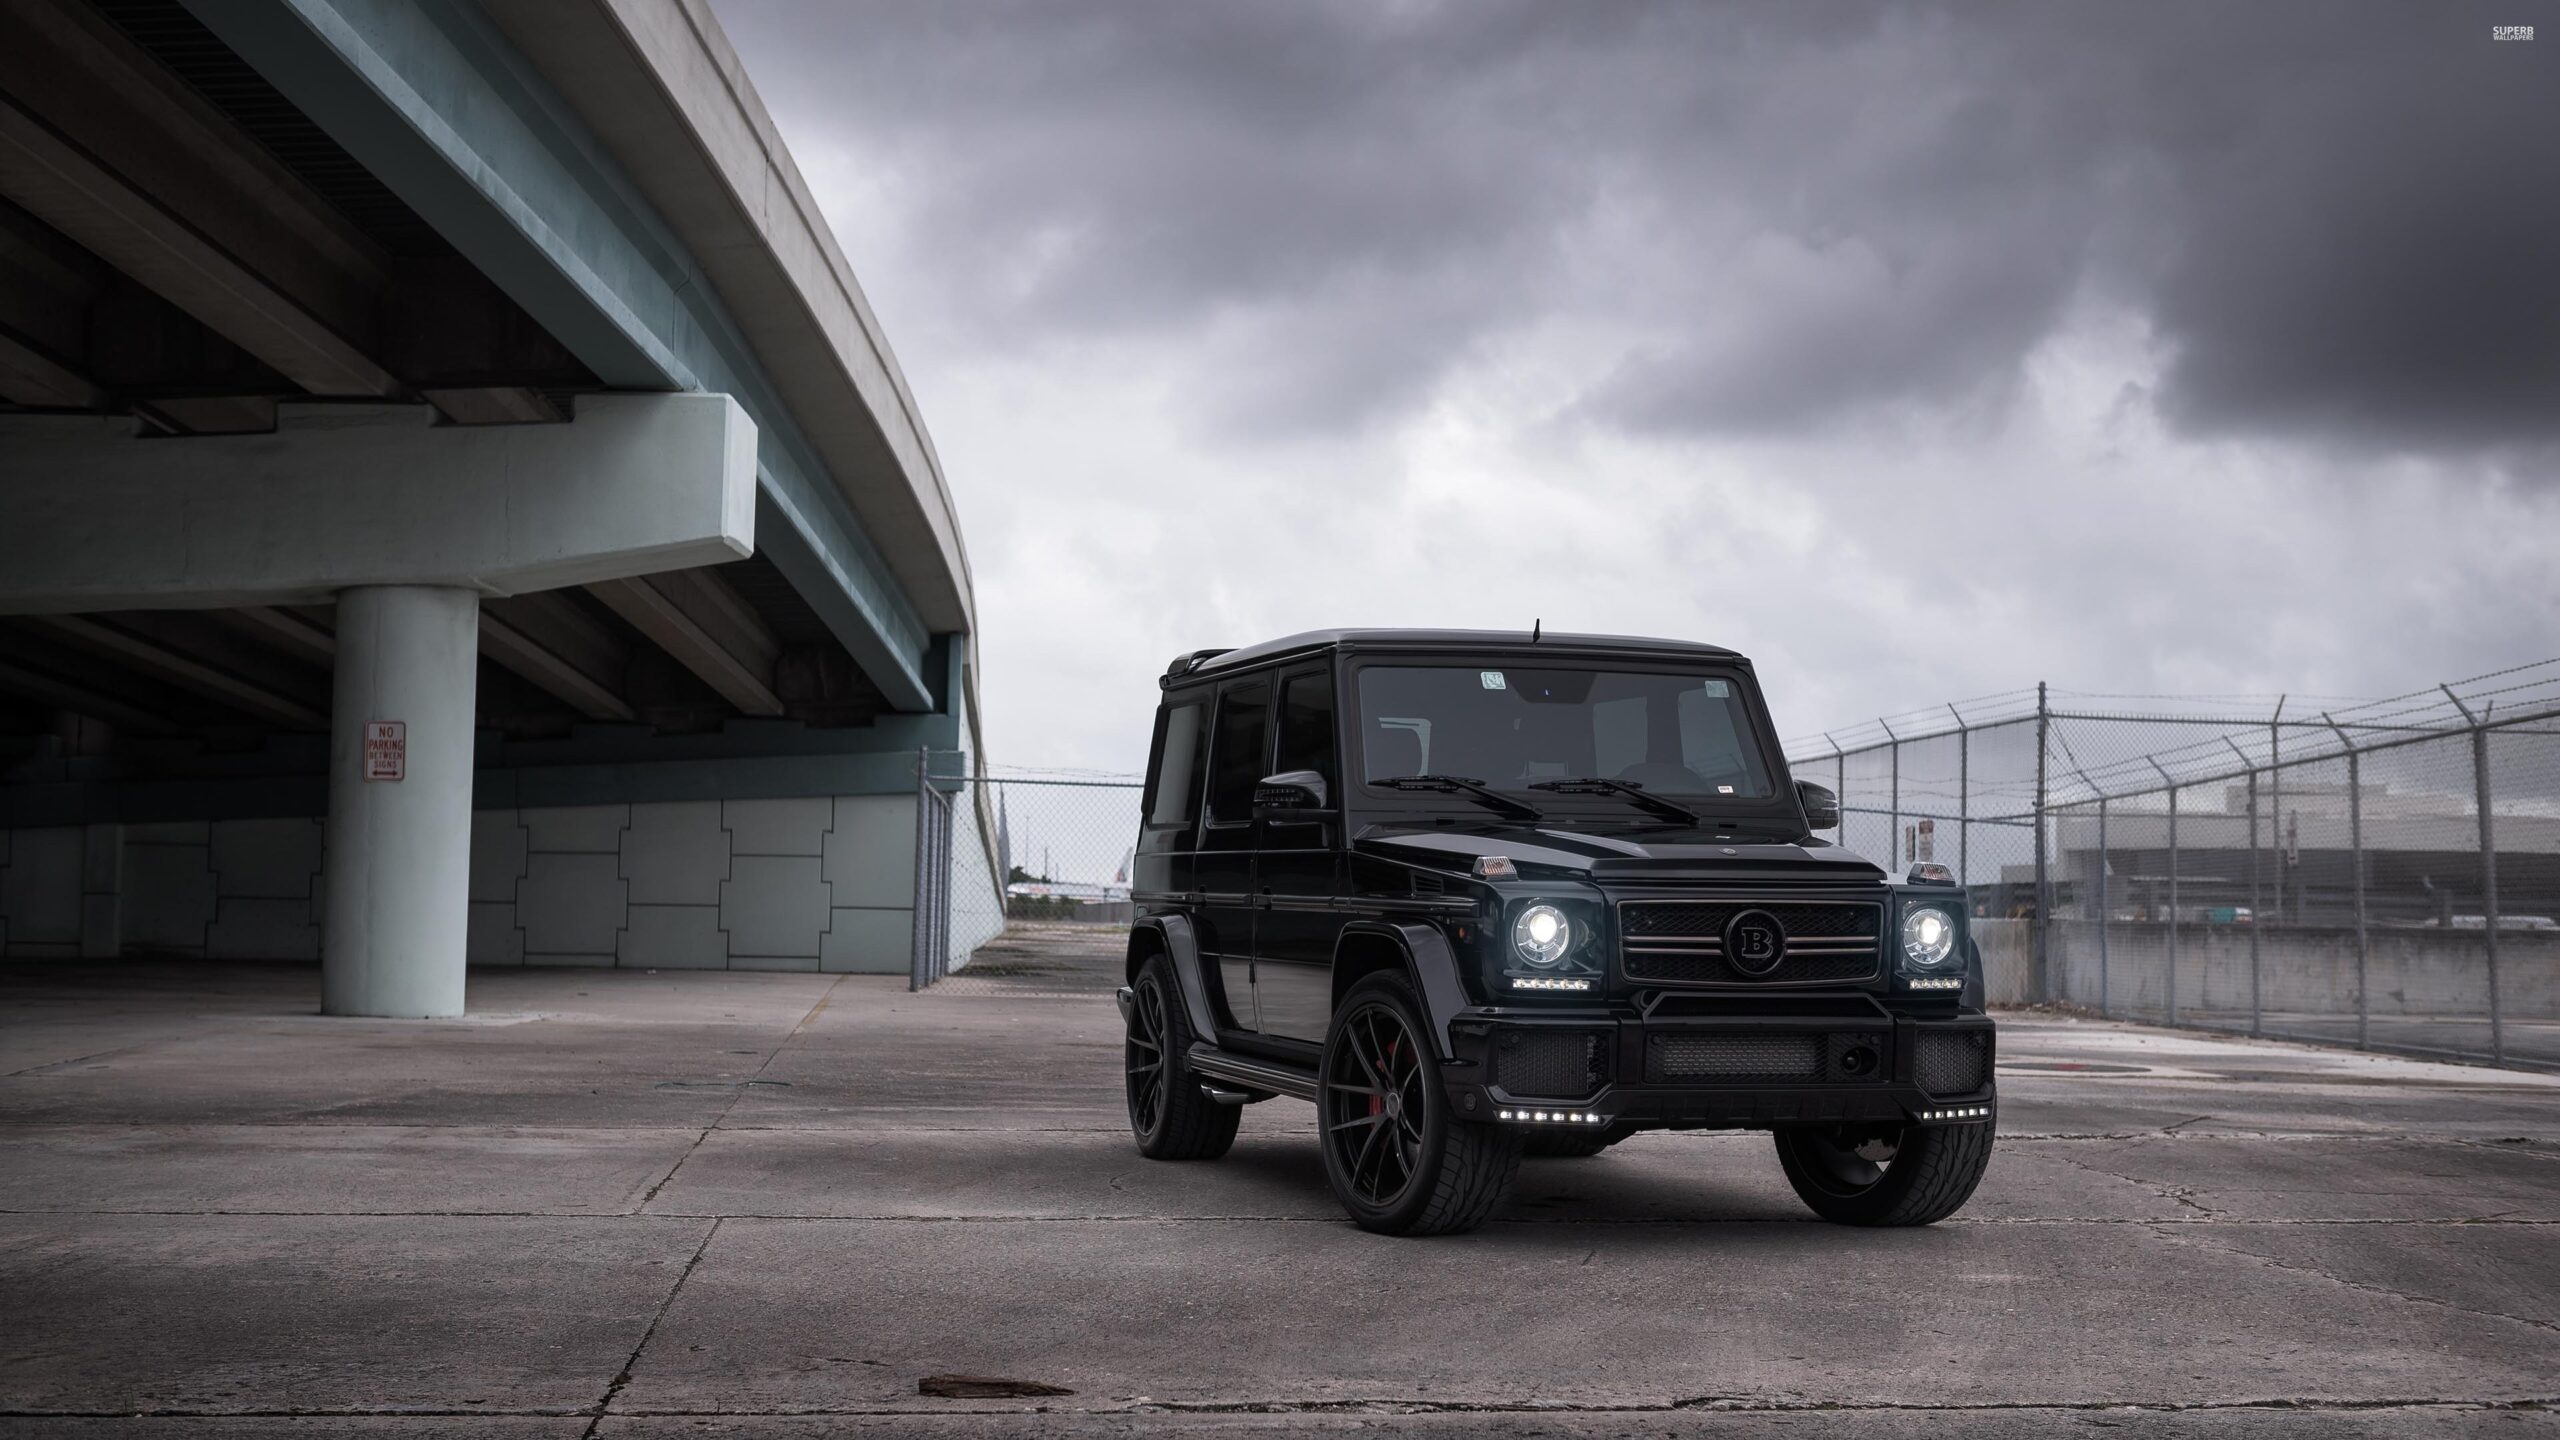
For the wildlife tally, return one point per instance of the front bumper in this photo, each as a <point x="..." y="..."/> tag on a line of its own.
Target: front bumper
<point x="1721" y="1071"/>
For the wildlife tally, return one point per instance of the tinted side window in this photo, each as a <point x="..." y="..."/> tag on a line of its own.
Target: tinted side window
<point x="1306" y="725"/>
<point x="1243" y="748"/>
<point x="1173" y="790"/>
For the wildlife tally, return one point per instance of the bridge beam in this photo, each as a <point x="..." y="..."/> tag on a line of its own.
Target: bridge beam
<point x="92" y="519"/>
<point x="440" y="105"/>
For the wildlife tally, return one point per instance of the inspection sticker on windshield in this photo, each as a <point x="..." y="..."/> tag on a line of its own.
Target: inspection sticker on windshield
<point x="1492" y="679"/>
<point x="1719" y="690"/>
<point x="1724" y="789"/>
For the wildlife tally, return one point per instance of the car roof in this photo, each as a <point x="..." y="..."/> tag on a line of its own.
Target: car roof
<point x="1195" y="663"/>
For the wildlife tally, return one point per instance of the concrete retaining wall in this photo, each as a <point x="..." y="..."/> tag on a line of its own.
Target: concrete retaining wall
<point x="2007" y="961"/>
<point x="818" y="883"/>
<point x="2300" y="970"/>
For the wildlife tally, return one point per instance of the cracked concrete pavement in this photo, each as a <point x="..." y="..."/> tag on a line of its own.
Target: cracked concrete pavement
<point x="708" y="1204"/>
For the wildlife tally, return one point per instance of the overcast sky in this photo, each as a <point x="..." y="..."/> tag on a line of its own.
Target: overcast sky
<point x="1918" y="353"/>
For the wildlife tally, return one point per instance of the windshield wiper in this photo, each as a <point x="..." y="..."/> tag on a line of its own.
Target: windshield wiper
<point x="1633" y="793"/>
<point x="1475" y="790"/>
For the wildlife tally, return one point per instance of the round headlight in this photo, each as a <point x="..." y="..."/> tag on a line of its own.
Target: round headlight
<point x="1928" y="937"/>
<point x="1541" y="935"/>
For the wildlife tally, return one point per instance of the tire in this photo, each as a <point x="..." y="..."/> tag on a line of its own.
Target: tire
<point x="1168" y="1113"/>
<point x="1931" y="1174"/>
<point x="1568" y="1144"/>
<point x="1399" y="1162"/>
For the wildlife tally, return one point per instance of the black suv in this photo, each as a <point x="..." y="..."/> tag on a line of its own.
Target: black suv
<point x="1485" y="894"/>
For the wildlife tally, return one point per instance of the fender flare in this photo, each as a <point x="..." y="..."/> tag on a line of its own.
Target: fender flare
<point x="1182" y="949"/>
<point x="1429" y="964"/>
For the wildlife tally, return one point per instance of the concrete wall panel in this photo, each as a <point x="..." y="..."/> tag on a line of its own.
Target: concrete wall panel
<point x="492" y="938"/>
<point x="170" y="894"/>
<point x="498" y="845"/>
<point x="774" y="906"/>
<point x="676" y="854"/>
<point x="576" y="829"/>
<point x="778" y="827"/>
<point x="869" y="942"/>
<point x="267" y="859"/>
<point x="822" y="882"/>
<point x="871" y="852"/>
<point x="256" y="928"/>
<point x="675" y="937"/>
<point x="40" y="891"/>
<point x="101" y="891"/>
<point x="571" y="905"/>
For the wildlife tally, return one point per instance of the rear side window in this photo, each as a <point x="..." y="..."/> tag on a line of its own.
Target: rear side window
<point x="1306" y="724"/>
<point x="1243" y="748"/>
<point x="1181" y="762"/>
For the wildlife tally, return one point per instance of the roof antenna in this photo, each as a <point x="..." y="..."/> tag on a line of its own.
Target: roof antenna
<point x="1534" y="627"/>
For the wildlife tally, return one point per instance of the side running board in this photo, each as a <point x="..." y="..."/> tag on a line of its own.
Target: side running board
<point x="1260" y="1074"/>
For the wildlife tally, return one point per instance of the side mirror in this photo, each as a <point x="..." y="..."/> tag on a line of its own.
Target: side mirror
<point x="1821" y="807"/>
<point x="1291" y="795"/>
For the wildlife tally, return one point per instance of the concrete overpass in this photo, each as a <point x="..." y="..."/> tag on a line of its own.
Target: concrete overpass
<point x="455" y="502"/>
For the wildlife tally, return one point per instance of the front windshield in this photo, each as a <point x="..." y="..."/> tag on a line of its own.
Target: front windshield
<point x="1672" y="734"/>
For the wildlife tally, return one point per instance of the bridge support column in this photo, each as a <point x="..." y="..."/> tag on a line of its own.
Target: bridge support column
<point x="399" y="856"/>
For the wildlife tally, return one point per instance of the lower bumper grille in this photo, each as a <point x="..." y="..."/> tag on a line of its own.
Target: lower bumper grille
<point x="1953" y="1062"/>
<point x="1672" y="1058"/>
<point x="1843" y="1056"/>
<point x="1557" y="1064"/>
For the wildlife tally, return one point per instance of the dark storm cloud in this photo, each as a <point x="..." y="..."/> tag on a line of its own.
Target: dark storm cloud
<point x="2339" y="219"/>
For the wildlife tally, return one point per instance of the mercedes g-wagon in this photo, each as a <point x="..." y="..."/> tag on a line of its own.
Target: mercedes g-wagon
<point x="1479" y="895"/>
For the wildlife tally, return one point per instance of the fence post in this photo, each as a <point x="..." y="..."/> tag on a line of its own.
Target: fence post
<point x="2489" y="891"/>
<point x="1964" y="805"/>
<point x="1893" y="800"/>
<point x="945" y="830"/>
<point x="2040" y="961"/>
<point x="2102" y="905"/>
<point x="2275" y="800"/>
<point x="921" y="930"/>
<point x="1840" y="786"/>
<point x="2488" y="871"/>
<point x="2173" y="905"/>
<point x="2355" y="854"/>
<point x="2257" y="903"/>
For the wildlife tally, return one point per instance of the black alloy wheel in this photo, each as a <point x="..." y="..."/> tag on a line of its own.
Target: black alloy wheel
<point x="1398" y="1161"/>
<point x="1172" y="1117"/>
<point x="1146" y="1060"/>
<point x="1908" y="1175"/>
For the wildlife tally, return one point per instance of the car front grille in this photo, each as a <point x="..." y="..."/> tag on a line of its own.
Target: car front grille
<point x="1681" y="942"/>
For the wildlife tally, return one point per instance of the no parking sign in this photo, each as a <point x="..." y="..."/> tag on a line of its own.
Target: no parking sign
<point x="386" y="749"/>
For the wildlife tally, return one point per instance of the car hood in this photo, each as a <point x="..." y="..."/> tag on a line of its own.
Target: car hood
<point x="1635" y="857"/>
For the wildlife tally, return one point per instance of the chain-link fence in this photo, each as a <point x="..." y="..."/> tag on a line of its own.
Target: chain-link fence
<point x="2378" y="873"/>
<point x="1060" y="843"/>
